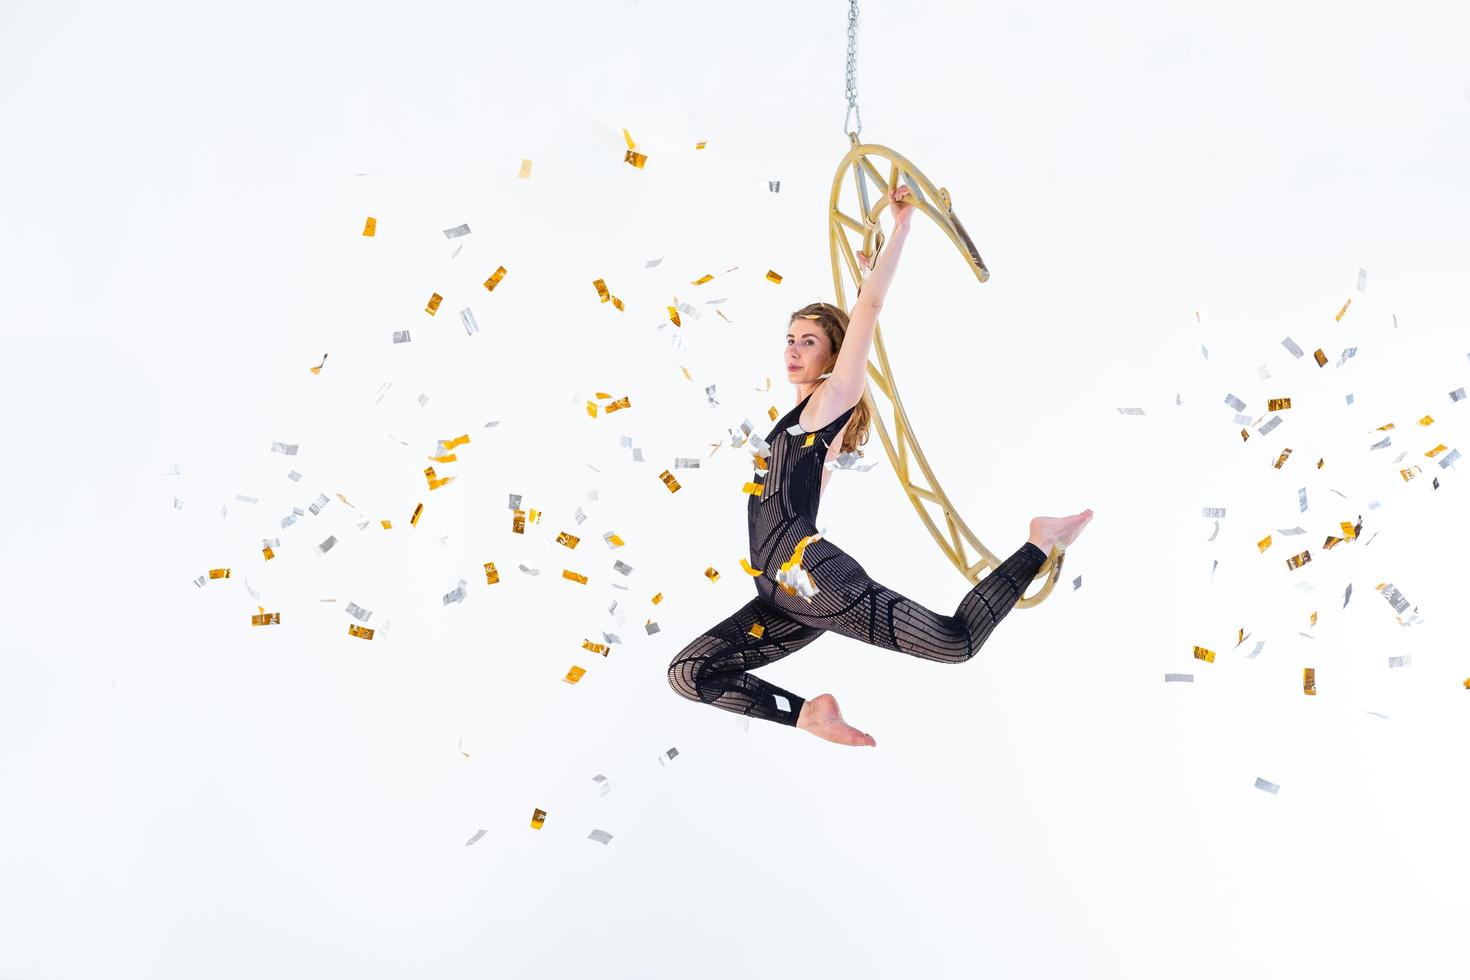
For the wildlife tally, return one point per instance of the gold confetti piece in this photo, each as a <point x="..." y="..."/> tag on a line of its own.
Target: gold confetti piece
<point x="1277" y="404"/>
<point x="1281" y="459"/>
<point x="570" y="540"/>
<point x="627" y="138"/>
<point x="761" y="464"/>
<point x="447" y="458"/>
<point x="722" y="316"/>
<point x="1244" y="435"/>
<point x="592" y="409"/>
<point x="1208" y="656"/>
<point x="1383" y="428"/>
<point x="518" y="522"/>
<point x="1436" y="450"/>
<point x="1319" y="464"/>
<point x="539" y="817"/>
<point x="635" y="158"/>
<point x="525" y="173"/>
<point x="1409" y="473"/>
<point x="702" y="280"/>
<point x="669" y="481"/>
<point x="1427" y="420"/>
<point x="754" y="489"/>
<point x="414" y="520"/>
<point x="1297" y="561"/>
<point x="673" y="315"/>
<point x="574" y="675"/>
<point x="1264" y="543"/>
<point x="601" y="648"/>
<point x="387" y="525"/>
<point x="266" y="619"/>
<point x="810" y="438"/>
<point x="624" y="402"/>
<point x="774" y="276"/>
<point x="318" y="368"/>
<point x="745" y="564"/>
<point x="1321" y="357"/>
<point x="494" y="279"/>
<point x="219" y="573"/>
<point x="711" y="574"/>
<point x="269" y="554"/>
<point x="435" y="482"/>
<point x="700" y="145"/>
<point x="757" y="631"/>
<point x="361" y="632"/>
<point x="346" y="501"/>
<point x="602" y="290"/>
<point x="614" y="540"/>
<point x="1344" y="308"/>
<point x="1242" y="635"/>
<point x="491" y="575"/>
<point x="1309" y="680"/>
<point x="567" y="573"/>
<point x="1349" y="531"/>
<point x="657" y="599"/>
<point x="433" y="306"/>
<point x="371" y="228"/>
<point x="1314" y="617"/>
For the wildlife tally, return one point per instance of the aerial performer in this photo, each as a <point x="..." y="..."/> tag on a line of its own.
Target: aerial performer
<point x="807" y="585"/>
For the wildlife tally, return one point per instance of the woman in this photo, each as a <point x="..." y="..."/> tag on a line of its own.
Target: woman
<point x="826" y="359"/>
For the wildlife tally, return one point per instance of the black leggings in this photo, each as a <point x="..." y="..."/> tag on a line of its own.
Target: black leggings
<point x="714" y="669"/>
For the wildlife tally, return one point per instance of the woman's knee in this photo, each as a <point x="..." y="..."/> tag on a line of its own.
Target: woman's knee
<point x="684" y="674"/>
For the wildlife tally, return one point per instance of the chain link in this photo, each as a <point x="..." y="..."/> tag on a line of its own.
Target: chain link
<point x="852" y="21"/>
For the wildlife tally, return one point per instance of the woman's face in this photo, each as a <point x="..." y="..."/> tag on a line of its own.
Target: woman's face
<point x="808" y="352"/>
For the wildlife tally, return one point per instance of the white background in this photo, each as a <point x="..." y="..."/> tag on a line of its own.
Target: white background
<point x="182" y="194"/>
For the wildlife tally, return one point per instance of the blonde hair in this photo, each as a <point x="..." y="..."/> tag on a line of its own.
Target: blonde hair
<point x="833" y="321"/>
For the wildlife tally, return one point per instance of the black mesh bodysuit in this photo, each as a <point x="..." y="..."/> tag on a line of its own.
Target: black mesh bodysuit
<point x="714" y="669"/>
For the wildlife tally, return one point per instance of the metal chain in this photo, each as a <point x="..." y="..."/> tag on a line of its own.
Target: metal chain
<point x="852" y="18"/>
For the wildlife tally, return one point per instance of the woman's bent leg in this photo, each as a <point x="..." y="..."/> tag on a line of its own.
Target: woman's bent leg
<point x="714" y="669"/>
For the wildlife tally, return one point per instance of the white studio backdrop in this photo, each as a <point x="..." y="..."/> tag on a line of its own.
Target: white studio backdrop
<point x="1162" y="193"/>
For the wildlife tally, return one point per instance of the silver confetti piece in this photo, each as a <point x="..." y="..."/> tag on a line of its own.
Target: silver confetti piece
<point x="458" y="595"/>
<point x="774" y="186"/>
<point x="1401" y="456"/>
<point x="298" y="511"/>
<point x="1348" y="595"/>
<point x="529" y="571"/>
<point x="650" y="628"/>
<point x="1242" y="419"/>
<point x="1378" y="713"/>
<point x="175" y="471"/>
<point x="457" y="250"/>
<point x="457" y="231"/>
<point x="1266" y="429"/>
<point x="1362" y="280"/>
<point x="316" y="506"/>
<point x="610" y="638"/>
<point x="478" y="835"/>
<point x="670" y="755"/>
<point x="1077" y="583"/>
<point x="1267" y="786"/>
<point x="199" y="582"/>
<point x="423" y="399"/>
<point x="1301" y="499"/>
<point x="467" y="317"/>
<point x="363" y="525"/>
<point x="1234" y="402"/>
<point x="515" y="502"/>
<point x="1175" y="678"/>
<point x="1205" y="351"/>
<point x="1386" y="440"/>
<point x="270" y="542"/>
<point x="604" y="785"/>
<point x="608" y="537"/>
<point x="623" y="567"/>
<point x="652" y="262"/>
<point x="1290" y="345"/>
<point x="358" y="613"/>
<point x="601" y="836"/>
<point x="178" y="504"/>
<point x="401" y="337"/>
<point x="293" y="476"/>
<point x="288" y="520"/>
<point x="849" y="462"/>
<point x="686" y="463"/>
<point x="1347" y="353"/>
<point x="1212" y="512"/>
<point x="1458" y="395"/>
<point x="1350" y="398"/>
<point x="326" y="545"/>
<point x="1263" y="372"/>
<point x="249" y="500"/>
<point x="782" y="703"/>
<point x="1130" y="411"/>
<point x="1449" y="458"/>
<point x="253" y="594"/>
<point x="1403" y="661"/>
<point x="1395" y="598"/>
<point x="1257" y="651"/>
<point x="288" y="450"/>
<point x="223" y="510"/>
<point x="1214" y="534"/>
<point x="383" y="390"/>
<point x="638" y="455"/>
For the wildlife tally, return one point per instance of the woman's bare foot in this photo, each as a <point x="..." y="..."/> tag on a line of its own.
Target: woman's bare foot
<point x="1058" y="531"/>
<point x="821" y="717"/>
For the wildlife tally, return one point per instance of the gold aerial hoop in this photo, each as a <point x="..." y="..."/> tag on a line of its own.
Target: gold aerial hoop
<point x="936" y="204"/>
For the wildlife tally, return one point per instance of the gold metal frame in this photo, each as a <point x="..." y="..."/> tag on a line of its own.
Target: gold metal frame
<point x="935" y="203"/>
